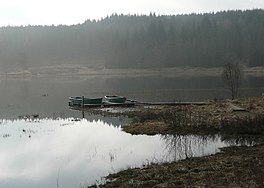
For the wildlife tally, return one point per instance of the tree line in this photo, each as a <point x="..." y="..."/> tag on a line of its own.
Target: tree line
<point x="138" y="41"/>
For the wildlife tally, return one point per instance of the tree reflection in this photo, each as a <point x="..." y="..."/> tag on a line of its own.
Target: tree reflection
<point x="180" y="147"/>
<point x="248" y="140"/>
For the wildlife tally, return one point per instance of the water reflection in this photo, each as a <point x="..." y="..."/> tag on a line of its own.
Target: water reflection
<point x="242" y="139"/>
<point x="180" y="147"/>
<point x="73" y="152"/>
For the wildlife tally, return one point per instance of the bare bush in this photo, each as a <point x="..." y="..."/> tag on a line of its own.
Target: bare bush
<point x="232" y="75"/>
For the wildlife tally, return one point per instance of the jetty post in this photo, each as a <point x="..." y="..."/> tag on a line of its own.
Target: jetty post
<point x="82" y="101"/>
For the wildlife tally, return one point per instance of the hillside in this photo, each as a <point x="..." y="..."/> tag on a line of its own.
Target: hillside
<point x="138" y="41"/>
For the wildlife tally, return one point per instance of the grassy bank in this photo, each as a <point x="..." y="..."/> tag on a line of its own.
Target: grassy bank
<point x="233" y="167"/>
<point x="239" y="166"/>
<point x="216" y="117"/>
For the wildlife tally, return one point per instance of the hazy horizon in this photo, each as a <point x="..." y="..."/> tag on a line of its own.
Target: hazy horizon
<point x="29" y="12"/>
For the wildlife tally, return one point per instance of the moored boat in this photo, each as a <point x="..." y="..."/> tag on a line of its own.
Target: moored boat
<point x="115" y="99"/>
<point x="79" y="101"/>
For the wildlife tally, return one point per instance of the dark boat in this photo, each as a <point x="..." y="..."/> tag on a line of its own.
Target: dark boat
<point x="114" y="99"/>
<point x="84" y="101"/>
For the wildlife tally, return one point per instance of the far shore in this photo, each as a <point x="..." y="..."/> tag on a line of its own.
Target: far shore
<point x="84" y="71"/>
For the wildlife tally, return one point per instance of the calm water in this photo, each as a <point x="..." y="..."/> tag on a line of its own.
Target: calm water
<point x="70" y="153"/>
<point x="61" y="150"/>
<point x="48" y="97"/>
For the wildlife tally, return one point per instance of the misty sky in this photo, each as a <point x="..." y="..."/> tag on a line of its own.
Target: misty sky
<point x="36" y="12"/>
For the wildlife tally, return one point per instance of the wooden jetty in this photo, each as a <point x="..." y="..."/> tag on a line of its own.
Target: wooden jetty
<point x="83" y="102"/>
<point x="172" y="103"/>
<point x="131" y="103"/>
<point x="104" y="105"/>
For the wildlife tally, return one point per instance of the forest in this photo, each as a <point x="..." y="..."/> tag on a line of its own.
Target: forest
<point x="138" y="41"/>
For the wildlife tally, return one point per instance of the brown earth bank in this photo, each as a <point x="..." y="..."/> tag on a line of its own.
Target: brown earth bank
<point x="233" y="167"/>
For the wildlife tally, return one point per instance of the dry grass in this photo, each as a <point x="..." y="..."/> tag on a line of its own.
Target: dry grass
<point x="234" y="167"/>
<point x="208" y="119"/>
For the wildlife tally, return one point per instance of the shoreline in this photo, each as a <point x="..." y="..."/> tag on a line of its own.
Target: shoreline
<point x="211" y="118"/>
<point x="237" y="166"/>
<point x="84" y="71"/>
<point x="234" y="166"/>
